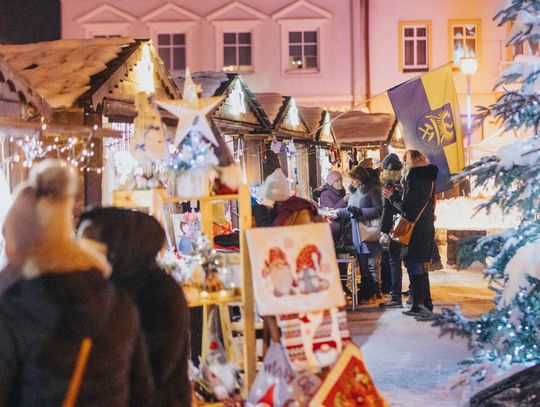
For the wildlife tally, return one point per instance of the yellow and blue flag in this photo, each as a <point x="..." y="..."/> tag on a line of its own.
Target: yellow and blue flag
<point x="428" y="113"/>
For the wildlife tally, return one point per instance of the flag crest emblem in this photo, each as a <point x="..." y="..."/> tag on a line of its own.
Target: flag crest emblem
<point x="436" y="128"/>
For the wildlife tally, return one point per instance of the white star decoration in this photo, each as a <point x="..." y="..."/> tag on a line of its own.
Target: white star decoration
<point x="191" y="112"/>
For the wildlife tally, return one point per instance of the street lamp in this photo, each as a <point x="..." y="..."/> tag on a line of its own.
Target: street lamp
<point x="469" y="66"/>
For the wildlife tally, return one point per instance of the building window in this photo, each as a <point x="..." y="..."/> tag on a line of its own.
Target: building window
<point x="237" y="52"/>
<point x="464" y="38"/>
<point x="414" y="40"/>
<point x="303" y="50"/>
<point x="172" y="50"/>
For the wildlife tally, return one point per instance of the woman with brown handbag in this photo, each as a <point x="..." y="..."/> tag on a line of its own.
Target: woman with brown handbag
<point x="62" y="323"/>
<point x="416" y="205"/>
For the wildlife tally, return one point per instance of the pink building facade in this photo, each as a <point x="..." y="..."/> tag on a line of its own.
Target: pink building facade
<point x="327" y="53"/>
<point x="311" y="50"/>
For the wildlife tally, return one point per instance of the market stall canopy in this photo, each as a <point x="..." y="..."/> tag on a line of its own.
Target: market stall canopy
<point x="74" y="73"/>
<point x="240" y="112"/>
<point x="284" y="115"/>
<point x="18" y="98"/>
<point x="318" y="121"/>
<point x="356" y="128"/>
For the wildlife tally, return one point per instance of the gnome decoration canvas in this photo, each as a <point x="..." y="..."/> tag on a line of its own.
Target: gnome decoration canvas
<point x="294" y="269"/>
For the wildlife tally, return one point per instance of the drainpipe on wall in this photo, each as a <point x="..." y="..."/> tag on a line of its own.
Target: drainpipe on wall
<point x="353" y="52"/>
<point x="366" y="54"/>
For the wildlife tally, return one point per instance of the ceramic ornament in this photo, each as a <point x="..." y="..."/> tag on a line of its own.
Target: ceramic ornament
<point x="148" y="141"/>
<point x="190" y="111"/>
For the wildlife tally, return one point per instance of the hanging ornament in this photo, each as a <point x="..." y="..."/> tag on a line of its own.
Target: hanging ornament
<point x="292" y="168"/>
<point x="148" y="140"/>
<point x="275" y="146"/>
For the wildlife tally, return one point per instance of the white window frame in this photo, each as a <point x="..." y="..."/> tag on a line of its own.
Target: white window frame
<point x="222" y="27"/>
<point x="180" y="27"/>
<point x="237" y="46"/>
<point x="171" y="46"/>
<point x="311" y="24"/>
<point x="477" y="38"/>
<point x="403" y="25"/>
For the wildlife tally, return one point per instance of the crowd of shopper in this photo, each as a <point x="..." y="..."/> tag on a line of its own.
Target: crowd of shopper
<point x="375" y="197"/>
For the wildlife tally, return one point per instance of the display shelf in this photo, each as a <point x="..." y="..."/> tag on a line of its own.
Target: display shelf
<point x="156" y="201"/>
<point x="214" y="301"/>
<point x="228" y="197"/>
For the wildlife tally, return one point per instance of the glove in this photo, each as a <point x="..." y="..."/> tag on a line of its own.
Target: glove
<point x="356" y="213"/>
<point x="384" y="241"/>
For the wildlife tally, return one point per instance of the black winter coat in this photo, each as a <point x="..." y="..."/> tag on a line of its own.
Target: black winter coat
<point x="43" y="320"/>
<point x="418" y="189"/>
<point x="164" y="317"/>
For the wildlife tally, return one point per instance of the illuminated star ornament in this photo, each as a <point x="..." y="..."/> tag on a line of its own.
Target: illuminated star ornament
<point x="191" y="112"/>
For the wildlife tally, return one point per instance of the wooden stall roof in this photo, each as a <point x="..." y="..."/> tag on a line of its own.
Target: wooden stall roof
<point x="19" y="128"/>
<point x="278" y="109"/>
<point x="356" y="128"/>
<point x="24" y="92"/>
<point x="70" y="73"/>
<point x="240" y="112"/>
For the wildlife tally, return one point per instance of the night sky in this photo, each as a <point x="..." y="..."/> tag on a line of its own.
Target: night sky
<point x="23" y="21"/>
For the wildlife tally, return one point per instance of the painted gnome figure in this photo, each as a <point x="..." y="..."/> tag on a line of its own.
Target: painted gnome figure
<point x="308" y="266"/>
<point x="222" y="376"/>
<point x="278" y="271"/>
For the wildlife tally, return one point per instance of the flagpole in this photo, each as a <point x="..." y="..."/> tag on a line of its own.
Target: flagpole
<point x="373" y="97"/>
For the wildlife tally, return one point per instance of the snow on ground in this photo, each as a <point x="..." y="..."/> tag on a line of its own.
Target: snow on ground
<point x="460" y="213"/>
<point x="410" y="364"/>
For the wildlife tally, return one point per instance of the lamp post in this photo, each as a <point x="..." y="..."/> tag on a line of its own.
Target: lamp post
<point x="469" y="66"/>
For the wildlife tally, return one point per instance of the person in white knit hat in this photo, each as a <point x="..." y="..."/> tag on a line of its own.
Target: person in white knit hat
<point x="275" y="188"/>
<point x="61" y="300"/>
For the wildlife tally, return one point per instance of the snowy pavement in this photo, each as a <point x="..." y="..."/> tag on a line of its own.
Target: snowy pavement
<point x="409" y="362"/>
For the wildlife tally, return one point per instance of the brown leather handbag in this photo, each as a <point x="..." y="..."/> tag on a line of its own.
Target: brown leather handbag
<point x="402" y="229"/>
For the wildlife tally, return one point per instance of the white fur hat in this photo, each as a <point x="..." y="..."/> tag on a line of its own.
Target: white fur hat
<point x="42" y="208"/>
<point x="275" y="187"/>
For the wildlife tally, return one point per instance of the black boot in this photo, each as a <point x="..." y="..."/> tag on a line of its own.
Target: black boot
<point x="427" y="292"/>
<point x="417" y="308"/>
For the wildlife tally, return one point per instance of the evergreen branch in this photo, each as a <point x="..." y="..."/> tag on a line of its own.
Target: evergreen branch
<point x="514" y="110"/>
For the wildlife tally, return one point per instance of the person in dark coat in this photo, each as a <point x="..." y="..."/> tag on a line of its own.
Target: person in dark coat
<point x="132" y="240"/>
<point x="418" y="201"/>
<point x="365" y="204"/>
<point x="61" y="298"/>
<point x="332" y="195"/>
<point x="390" y="178"/>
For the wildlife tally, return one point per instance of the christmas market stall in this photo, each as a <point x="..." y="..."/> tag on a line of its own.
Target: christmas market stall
<point x="367" y="135"/>
<point x="92" y="83"/>
<point x="290" y="141"/>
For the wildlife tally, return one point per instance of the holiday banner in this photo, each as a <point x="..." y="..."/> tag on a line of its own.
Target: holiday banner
<point x="294" y="269"/>
<point x="428" y="114"/>
<point x="278" y="384"/>
<point x="348" y="383"/>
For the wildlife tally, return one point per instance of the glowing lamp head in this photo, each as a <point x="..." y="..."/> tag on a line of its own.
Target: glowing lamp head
<point x="469" y="66"/>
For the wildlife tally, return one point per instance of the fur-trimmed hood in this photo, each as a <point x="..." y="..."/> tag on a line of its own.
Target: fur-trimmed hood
<point x="426" y="173"/>
<point x="64" y="257"/>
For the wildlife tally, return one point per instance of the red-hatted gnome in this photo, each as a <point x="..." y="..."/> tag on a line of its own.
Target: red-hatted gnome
<point x="308" y="266"/>
<point x="277" y="268"/>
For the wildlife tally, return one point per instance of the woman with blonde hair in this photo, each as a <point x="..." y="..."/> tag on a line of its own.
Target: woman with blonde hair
<point x="417" y="204"/>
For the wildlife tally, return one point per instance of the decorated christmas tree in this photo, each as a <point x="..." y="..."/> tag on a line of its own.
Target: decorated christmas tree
<point x="509" y="334"/>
